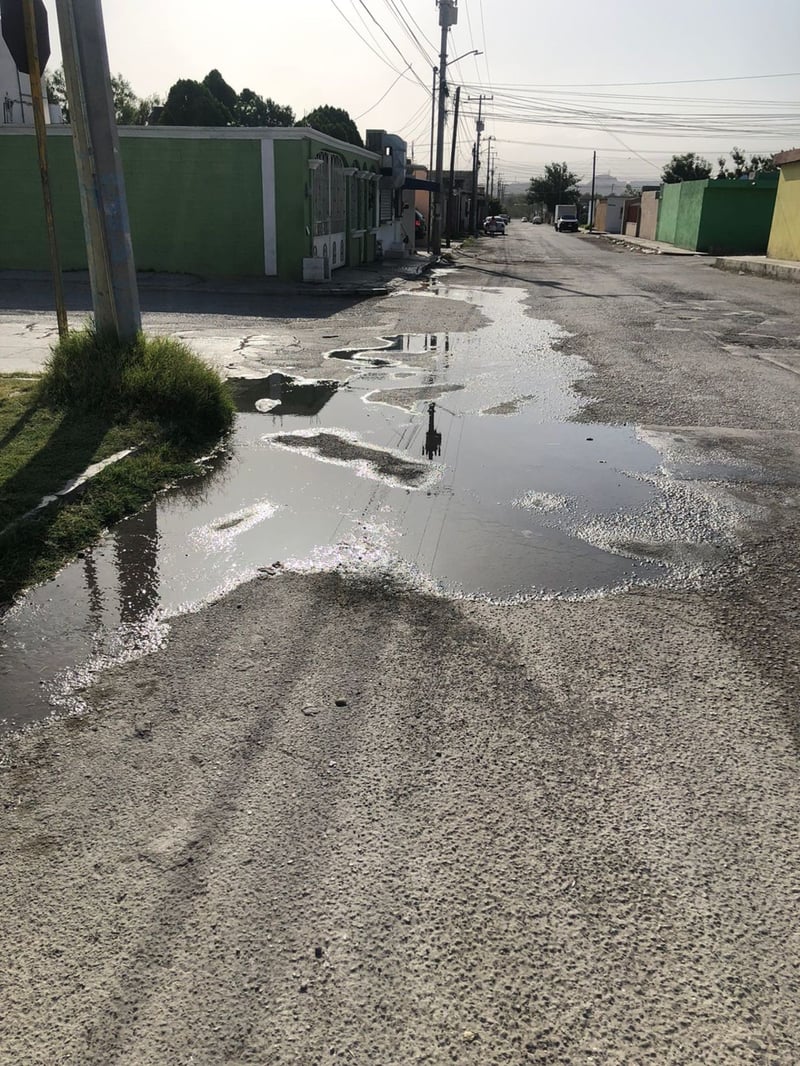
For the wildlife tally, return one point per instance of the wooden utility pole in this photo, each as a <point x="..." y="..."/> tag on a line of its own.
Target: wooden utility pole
<point x="115" y="296"/>
<point x="35" y="76"/>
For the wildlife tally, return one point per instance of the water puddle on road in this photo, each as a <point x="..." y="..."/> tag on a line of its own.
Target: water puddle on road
<point x="449" y="461"/>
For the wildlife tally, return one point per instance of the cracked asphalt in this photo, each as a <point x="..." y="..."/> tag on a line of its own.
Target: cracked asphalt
<point x="335" y="819"/>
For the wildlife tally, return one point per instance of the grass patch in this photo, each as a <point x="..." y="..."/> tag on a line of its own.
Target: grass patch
<point x="96" y="399"/>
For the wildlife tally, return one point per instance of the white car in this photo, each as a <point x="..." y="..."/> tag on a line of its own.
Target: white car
<point x="494" y="225"/>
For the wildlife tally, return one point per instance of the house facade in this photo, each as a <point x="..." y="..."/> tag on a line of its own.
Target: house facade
<point x="287" y="203"/>
<point x="722" y="216"/>
<point x="784" y="235"/>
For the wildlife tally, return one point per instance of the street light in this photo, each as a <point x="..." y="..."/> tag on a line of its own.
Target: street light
<point x="448" y="14"/>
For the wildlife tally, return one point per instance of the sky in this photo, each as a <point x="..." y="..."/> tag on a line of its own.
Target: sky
<point x="562" y="82"/>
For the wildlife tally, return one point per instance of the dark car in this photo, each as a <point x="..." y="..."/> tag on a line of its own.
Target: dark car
<point x="420" y="226"/>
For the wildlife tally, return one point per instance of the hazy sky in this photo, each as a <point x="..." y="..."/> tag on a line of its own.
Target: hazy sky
<point x="556" y="72"/>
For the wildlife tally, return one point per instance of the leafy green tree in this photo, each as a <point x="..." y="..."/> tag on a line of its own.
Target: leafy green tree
<point x="253" y="110"/>
<point x="221" y="91"/>
<point x="741" y="166"/>
<point x="57" y="91"/>
<point x="558" y="185"/>
<point x="190" y="103"/>
<point x="335" y="122"/>
<point x="126" y="102"/>
<point x="688" y="167"/>
<point x="145" y="109"/>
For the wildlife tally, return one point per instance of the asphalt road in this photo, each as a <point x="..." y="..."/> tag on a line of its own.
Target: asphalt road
<point x="338" y="820"/>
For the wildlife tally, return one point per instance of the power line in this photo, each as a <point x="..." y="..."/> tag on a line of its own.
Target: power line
<point x="393" y="44"/>
<point x="363" y="39"/>
<point x="382" y="98"/>
<point x="624" y="84"/>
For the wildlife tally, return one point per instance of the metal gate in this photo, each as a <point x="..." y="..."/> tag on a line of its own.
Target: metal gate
<point x="329" y="205"/>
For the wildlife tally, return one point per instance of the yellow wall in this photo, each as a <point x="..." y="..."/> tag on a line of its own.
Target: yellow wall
<point x="784" y="237"/>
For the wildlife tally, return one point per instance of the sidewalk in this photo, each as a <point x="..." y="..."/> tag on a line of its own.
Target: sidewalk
<point x="760" y="265"/>
<point x="371" y="279"/>
<point x="656" y="247"/>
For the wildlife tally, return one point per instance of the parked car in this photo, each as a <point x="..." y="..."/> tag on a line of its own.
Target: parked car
<point x="494" y="226"/>
<point x="537" y="220"/>
<point x="420" y="226"/>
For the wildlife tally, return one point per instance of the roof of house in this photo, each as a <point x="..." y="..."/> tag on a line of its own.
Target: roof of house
<point x="792" y="156"/>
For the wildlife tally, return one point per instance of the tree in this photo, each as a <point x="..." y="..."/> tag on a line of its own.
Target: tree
<point x="190" y="103"/>
<point x="221" y="91"/>
<point x="57" y="91"/>
<point x="145" y="109"/>
<point x="558" y="185"/>
<point x="741" y="167"/>
<point x="126" y="102"/>
<point x="335" y="122"/>
<point x="253" y="110"/>
<point x="688" y="167"/>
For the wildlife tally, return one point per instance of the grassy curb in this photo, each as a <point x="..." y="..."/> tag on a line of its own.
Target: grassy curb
<point x="93" y="400"/>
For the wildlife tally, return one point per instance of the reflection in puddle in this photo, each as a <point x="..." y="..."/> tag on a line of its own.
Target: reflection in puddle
<point x="517" y="502"/>
<point x="280" y="394"/>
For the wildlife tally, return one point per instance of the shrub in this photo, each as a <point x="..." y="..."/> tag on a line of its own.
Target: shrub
<point x="158" y="379"/>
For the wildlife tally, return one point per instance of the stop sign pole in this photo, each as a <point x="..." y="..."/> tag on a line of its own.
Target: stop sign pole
<point x="32" y="38"/>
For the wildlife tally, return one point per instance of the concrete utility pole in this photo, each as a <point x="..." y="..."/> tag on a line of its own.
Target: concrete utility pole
<point x="490" y="165"/>
<point x="115" y="296"/>
<point x="448" y="16"/>
<point x="591" y="203"/>
<point x="476" y="161"/>
<point x="449" y="230"/>
<point x="430" y="164"/>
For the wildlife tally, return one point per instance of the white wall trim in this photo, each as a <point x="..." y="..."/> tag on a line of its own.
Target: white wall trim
<point x="216" y="133"/>
<point x="268" y="207"/>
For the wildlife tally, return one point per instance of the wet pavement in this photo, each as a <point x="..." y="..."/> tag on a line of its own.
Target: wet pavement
<point x="452" y="462"/>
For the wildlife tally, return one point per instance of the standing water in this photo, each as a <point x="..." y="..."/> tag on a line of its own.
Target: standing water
<point x="450" y="461"/>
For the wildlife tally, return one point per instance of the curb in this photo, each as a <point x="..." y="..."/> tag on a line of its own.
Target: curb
<point x="653" y="247"/>
<point x="759" y="269"/>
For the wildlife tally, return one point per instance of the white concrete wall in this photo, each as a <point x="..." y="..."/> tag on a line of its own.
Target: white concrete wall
<point x="11" y="83"/>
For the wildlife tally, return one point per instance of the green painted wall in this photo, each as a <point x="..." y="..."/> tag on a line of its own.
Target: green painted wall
<point x="292" y="207"/>
<point x="687" y="225"/>
<point x="293" y="204"/>
<point x="720" y="217"/>
<point x="784" y="236"/>
<point x="194" y="205"/>
<point x="736" y="217"/>
<point x="668" y="213"/>
<point x="23" y="235"/>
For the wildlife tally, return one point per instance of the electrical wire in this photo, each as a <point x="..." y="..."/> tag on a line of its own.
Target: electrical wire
<point x="382" y="98"/>
<point x="394" y="45"/>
